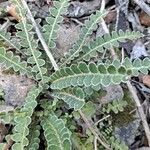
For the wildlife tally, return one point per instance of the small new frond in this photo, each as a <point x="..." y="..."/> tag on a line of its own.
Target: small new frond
<point x="29" y="44"/>
<point x="50" y="30"/>
<point x="116" y="106"/>
<point x="73" y="97"/>
<point x="8" y="60"/>
<point x="8" y="39"/>
<point x="23" y="120"/>
<point x="56" y="134"/>
<point x="107" y="42"/>
<point x="117" y="144"/>
<point x="94" y="75"/>
<point x="86" y="30"/>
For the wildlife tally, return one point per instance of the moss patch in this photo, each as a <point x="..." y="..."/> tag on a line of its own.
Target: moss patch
<point x="123" y="118"/>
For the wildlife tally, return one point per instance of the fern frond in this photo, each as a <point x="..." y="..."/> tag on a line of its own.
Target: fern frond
<point x="56" y="134"/>
<point x="116" y="106"/>
<point x="8" y="39"/>
<point x="30" y="44"/>
<point x="34" y="138"/>
<point x="116" y="144"/>
<point x="50" y="30"/>
<point x="102" y="74"/>
<point x="8" y="60"/>
<point x="73" y="97"/>
<point x="22" y="122"/>
<point x="107" y="42"/>
<point x="86" y="30"/>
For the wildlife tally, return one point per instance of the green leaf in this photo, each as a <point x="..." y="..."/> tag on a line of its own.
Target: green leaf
<point x="50" y="29"/>
<point x="22" y="122"/>
<point x="29" y="44"/>
<point x="8" y="60"/>
<point x="73" y="97"/>
<point x="107" y="42"/>
<point x="33" y="137"/>
<point x="86" y="30"/>
<point x="56" y="134"/>
<point x="93" y="75"/>
<point x="10" y="41"/>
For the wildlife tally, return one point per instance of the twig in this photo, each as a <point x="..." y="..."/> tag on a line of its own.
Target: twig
<point x="133" y="92"/>
<point x="40" y="36"/>
<point x="140" y="110"/>
<point x="5" y="25"/>
<point x="143" y="6"/>
<point x="122" y="55"/>
<point x="95" y="143"/>
<point x="93" y="131"/>
<point x="101" y="120"/>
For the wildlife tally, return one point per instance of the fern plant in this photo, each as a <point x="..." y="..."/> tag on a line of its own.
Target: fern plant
<point x="73" y="82"/>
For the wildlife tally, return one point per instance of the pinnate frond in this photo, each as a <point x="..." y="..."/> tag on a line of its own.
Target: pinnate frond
<point x="86" y="30"/>
<point x="73" y="97"/>
<point x="8" y="60"/>
<point x="56" y="134"/>
<point x="95" y="75"/>
<point x="50" y="29"/>
<point x="23" y="120"/>
<point x="29" y="44"/>
<point x="106" y="42"/>
<point x="12" y="43"/>
<point x="33" y="137"/>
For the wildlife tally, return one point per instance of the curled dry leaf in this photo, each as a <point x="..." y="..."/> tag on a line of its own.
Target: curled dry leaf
<point x="12" y="11"/>
<point x="146" y="80"/>
<point x="138" y="50"/>
<point x="144" y="19"/>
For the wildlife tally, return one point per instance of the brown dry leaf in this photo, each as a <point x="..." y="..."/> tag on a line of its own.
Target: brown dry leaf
<point x="12" y="11"/>
<point x="3" y="132"/>
<point x="111" y="16"/>
<point x="144" y="19"/>
<point x="146" y="80"/>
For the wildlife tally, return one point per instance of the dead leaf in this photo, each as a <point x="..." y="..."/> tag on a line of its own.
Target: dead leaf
<point x="110" y="17"/>
<point x="138" y="50"/>
<point x="3" y="132"/>
<point x="12" y="11"/>
<point x="144" y="19"/>
<point x="146" y="80"/>
<point x="114" y="92"/>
